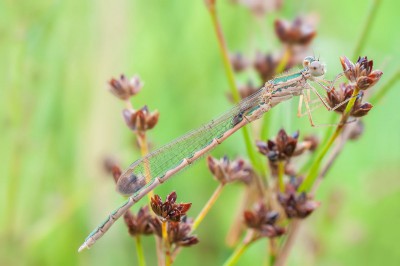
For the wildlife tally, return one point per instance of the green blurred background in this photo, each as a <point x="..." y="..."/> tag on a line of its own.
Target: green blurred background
<point x="58" y="122"/>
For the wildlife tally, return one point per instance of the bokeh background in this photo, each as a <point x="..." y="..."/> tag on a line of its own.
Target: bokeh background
<point x="58" y="122"/>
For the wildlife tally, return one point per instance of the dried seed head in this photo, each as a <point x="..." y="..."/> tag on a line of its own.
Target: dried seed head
<point x="296" y="33"/>
<point x="226" y="171"/>
<point x="265" y="65"/>
<point x="296" y="205"/>
<point x="361" y="73"/>
<point x="245" y="90"/>
<point x="260" y="7"/>
<point x="178" y="232"/>
<point x="281" y="149"/>
<point x="139" y="224"/>
<point x="345" y="91"/>
<point x="239" y="62"/>
<point x="140" y="120"/>
<point x="169" y="210"/>
<point x="124" y="88"/>
<point x="112" y="167"/>
<point x="356" y="130"/>
<point x="263" y="220"/>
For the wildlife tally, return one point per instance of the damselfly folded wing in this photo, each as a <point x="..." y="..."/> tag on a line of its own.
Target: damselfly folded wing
<point x="157" y="163"/>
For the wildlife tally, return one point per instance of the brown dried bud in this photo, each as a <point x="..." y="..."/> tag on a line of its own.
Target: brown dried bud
<point x="140" y="120"/>
<point x="263" y="220"/>
<point x="265" y="65"/>
<point x="178" y="232"/>
<point x="356" y="130"/>
<point x="281" y="149"/>
<point x="260" y="7"/>
<point x="112" y="167"/>
<point x="225" y="171"/>
<point x="297" y="205"/>
<point x="169" y="210"/>
<point x="296" y="33"/>
<point x="124" y="88"/>
<point x="344" y="92"/>
<point x="140" y="224"/>
<point x="361" y="72"/>
<point x="245" y="90"/>
<point x="239" y="62"/>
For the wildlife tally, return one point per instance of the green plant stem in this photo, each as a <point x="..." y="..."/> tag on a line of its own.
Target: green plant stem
<point x="273" y="250"/>
<point x="281" y="171"/>
<point x="232" y="85"/>
<point x="139" y="250"/>
<point x="284" y="61"/>
<point x="288" y="244"/>
<point x="200" y="217"/>
<point x="240" y="249"/>
<point x="207" y="207"/>
<point x="385" y="88"/>
<point x="313" y="173"/>
<point x="367" y="27"/>
<point x="166" y="243"/>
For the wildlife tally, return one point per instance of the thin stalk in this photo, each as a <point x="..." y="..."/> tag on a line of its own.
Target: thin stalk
<point x="273" y="251"/>
<point x="284" y="61"/>
<point x="240" y="249"/>
<point x="144" y="150"/>
<point x="232" y="84"/>
<point x="313" y="174"/>
<point x="287" y="246"/>
<point x="166" y="243"/>
<point x="200" y="217"/>
<point x="367" y="26"/>
<point x="207" y="207"/>
<point x="139" y="251"/>
<point x="281" y="171"/>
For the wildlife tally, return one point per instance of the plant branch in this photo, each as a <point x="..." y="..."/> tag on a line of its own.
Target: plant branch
<point x="139" y="250"/>
<point x="367" y="25"/>
<point x="232" y="84"/>
<point x="313" y="174"/>
<point x="287" y="246"/>
<point x="240" y="249"/>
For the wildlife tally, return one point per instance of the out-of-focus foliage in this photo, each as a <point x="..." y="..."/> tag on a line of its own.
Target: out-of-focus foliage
<point x="58" y="122"/>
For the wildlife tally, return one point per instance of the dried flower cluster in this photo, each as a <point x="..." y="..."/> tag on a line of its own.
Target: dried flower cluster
<point x="361" y="76"/>
<point x="295" y="36"/>
<point x="124" y="88"/>
<point x="179" y="233"/>
<point x="361" y="73"/>
<point x="169" y="210"/>
<point x="295" y="204"/>
<point x="264" y="221"/>
<point x="140" y="120"/>
<point x="226" y="171"/>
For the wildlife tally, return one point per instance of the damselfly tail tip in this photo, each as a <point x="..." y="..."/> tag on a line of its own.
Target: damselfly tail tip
<point x="82" y="247"/>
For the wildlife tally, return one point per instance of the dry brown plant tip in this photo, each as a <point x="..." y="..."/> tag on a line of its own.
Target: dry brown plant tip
<point x="298" y="32"/>
<point x="226" y="171"/>
<point x="140" y="120"/>
<point x="296" y="205"/>
<point x="139" y="224"/>
<point x="178" y="232"/>
<point x="361" y="73"/>
<point x="169" y="210"/>
<point x="263" y="220"/>
<point x="124" y="88"/>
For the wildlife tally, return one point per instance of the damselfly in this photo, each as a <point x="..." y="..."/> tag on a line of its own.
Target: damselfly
<point x="161" y="164"/>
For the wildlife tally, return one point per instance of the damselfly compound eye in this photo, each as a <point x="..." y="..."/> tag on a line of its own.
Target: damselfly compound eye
<point x="316" y="69"/>
<point x="307" y="61"/>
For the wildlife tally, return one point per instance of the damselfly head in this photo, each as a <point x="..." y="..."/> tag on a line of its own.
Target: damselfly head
<point x="315" y="67"/>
